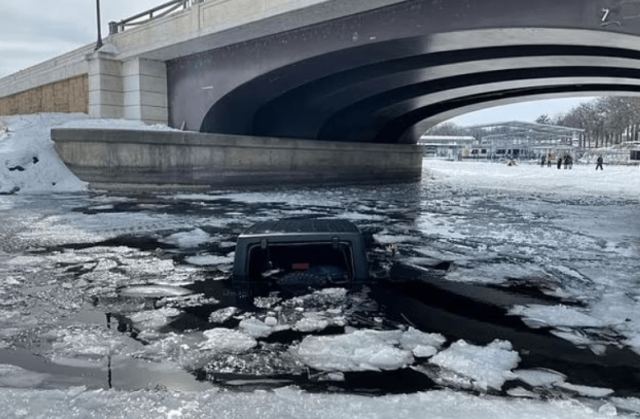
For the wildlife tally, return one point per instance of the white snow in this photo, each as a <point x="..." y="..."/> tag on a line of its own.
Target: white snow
<point x="227" y="341"/>
<point x="115" y="124"/>
<point x="362" y="350"/>
<point x="188" y="239"/>
<point x="285" y="403"/>
<point x="487" y="366"/>
<point x="27" y="149"/>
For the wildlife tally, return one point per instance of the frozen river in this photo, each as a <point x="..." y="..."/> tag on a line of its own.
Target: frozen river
<point x="495" y="289"/>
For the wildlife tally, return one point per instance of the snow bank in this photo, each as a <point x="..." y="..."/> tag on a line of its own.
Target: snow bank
<point x="487" y="366"/>
<point x="286" y="403"/>
<point x="28" y="161"/>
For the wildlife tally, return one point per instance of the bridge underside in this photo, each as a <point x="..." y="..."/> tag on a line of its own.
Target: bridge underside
<point x="385" y="76"/>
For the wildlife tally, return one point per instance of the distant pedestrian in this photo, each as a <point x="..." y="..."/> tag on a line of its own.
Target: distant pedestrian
<point x="566" y="161"/>
<point x="600" y="161"/>
<point x="570" y="161"/>
<point x="549" y="160"/>
<point x="543" y="161"/>
<point x="559" y="163"/>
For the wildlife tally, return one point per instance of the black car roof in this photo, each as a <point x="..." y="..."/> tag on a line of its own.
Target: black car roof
<point x="301" y="226"/>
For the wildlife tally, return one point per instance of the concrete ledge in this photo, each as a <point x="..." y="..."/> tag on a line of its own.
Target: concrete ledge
<point x="134" y="159"/>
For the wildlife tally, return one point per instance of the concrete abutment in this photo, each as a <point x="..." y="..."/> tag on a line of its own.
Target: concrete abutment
<point x="129" y="159"/>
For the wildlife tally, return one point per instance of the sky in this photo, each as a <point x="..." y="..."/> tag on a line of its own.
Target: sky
<point x="524" y="111"/>
<point x="33" y="31"/>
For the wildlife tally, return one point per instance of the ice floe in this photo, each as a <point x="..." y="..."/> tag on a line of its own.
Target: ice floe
<point x="210" y="260"/>
<point x="362" y="350"/>
<point x="261" y="329"/>
<point x="153" y="291"/>
<point x="188" y="239"/>
<point x="488" y="367"/>
<point x="154" y="319"/>
<point x="87" y="345"/>
<point x="227" y="341"/>
<point x="16" y="377"/>
<point x="587" y="391"/>
<point x="539" y="377"/>
<point x="557" y="315"/>
<point x="222" y="315"/>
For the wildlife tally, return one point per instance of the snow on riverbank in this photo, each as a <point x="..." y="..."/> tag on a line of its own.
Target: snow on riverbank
<point x="28" y="160"/>
<point x="286" y="403"/>
<point x="614" y="180"/>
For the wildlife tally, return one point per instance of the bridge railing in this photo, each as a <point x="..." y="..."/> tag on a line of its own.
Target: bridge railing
<point x="164" y="9"/>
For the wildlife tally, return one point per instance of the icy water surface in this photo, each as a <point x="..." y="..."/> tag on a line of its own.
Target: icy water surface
<point x="514" y="293"/>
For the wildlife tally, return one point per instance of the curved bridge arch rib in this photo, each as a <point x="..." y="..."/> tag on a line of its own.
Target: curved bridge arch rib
<point x="386" y="75"/>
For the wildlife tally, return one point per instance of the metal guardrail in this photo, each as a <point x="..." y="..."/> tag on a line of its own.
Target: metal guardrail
<point x="162" y="10"/>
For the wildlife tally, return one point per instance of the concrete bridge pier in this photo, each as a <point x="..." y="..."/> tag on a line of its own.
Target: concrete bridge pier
<point x="134" y="89"/>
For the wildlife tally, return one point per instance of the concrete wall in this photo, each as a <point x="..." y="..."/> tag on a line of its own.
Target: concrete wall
<point x="70" y="95"/>
<point x="64" y="67"/>
<point x="133" y="159"/>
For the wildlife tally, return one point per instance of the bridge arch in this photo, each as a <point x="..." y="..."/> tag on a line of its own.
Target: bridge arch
<point x="389" y="88"/>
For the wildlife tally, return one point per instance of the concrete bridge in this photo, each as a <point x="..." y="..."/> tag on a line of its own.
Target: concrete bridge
<point x="367" y="71"/>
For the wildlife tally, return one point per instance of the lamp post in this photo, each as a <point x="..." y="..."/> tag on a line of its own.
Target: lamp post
<point x="99" y="43"/>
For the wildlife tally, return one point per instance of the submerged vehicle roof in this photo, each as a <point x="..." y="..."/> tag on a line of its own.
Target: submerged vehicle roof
<point x="301" y="226"/>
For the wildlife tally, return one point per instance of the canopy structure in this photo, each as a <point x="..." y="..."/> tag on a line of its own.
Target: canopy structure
<point x="525" y="139"/>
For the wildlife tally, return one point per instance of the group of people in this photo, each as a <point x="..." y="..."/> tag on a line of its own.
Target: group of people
<point x="567" y="161"/>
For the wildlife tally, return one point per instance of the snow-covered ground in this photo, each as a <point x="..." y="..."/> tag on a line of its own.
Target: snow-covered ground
<point x="136" y="286"/>
<point x="615" y="181"/>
